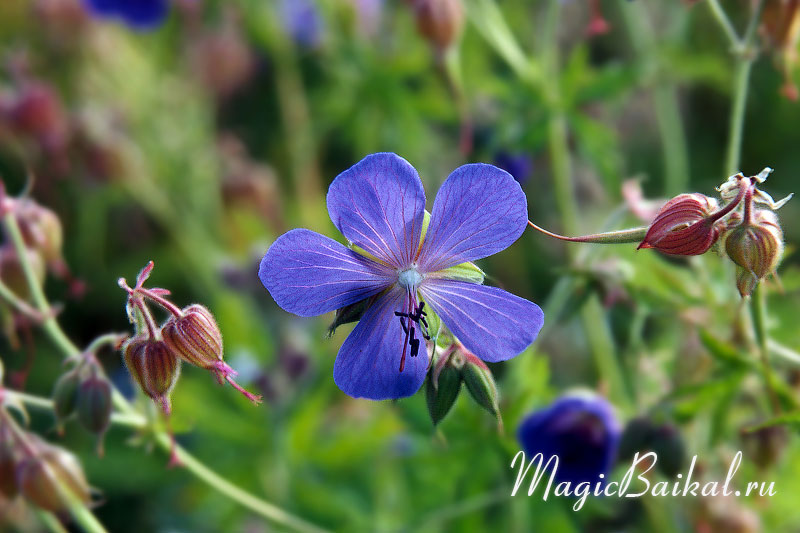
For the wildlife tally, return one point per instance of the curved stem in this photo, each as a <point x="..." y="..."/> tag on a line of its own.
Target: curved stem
<point x="609" y="237"/>
<point x="69" y="349"/>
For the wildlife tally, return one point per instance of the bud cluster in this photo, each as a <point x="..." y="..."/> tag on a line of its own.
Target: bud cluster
<point x="691" y="224"/>
<point x="84" y="392"/>
<point x="154" y="354"/>
<point x="450" y="368"/>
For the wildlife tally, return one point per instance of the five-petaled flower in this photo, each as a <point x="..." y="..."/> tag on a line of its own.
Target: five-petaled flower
<point x="404" y="268"/>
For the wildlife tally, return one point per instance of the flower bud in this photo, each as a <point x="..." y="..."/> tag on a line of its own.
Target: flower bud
<point x="194" y="337"/>
<point x="41" y="229"/>
<point x="439" y="21"/>
<point x="11" y="270"/>
<point x="756" y="246"/>
<point x="443" y="386"/>
<point x="65" y="395"/>
<point x="154" y="367"/>
<point x="480" y="383"/>
<point x="43" y="478"/>
<point x="94" y="406"/>
<point x="684" y="226"/>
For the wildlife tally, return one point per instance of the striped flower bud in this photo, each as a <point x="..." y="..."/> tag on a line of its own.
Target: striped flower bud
<point x="94" y="407"/>
<point x="685" y="225"/>
<point x="756" y="246"/>
<point x="44" y="478"/>
<point x="194" y="336"/>
<point x="154" y="367"/>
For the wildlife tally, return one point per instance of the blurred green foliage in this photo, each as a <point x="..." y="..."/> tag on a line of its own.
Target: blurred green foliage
<point x="160" y="163"/>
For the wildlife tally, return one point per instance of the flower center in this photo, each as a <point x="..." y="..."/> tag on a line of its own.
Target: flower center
<point x="409" y="278"/>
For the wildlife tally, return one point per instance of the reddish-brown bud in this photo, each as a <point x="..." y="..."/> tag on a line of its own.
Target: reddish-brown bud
<point x="44" y="478"/>
<point x="756" y="246"/>
<point x="195" y="337"/>
<point x="439" y="21"/>
<point x="154" y="367"/>
<point x="685" y="225"/>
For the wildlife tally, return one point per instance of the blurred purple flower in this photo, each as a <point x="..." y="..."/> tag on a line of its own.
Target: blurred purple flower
<point x="580" y="429"/>
<point x="379" y="206"/>
<point x="519" y="165"/>
<point x="138" y="14"/>
<point x="302" y="22"/>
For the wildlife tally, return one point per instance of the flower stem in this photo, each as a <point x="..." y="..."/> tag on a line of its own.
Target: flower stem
<point x="610" y="237"/>
<point x="69" y="349"/>
<point x="758" y="309"/>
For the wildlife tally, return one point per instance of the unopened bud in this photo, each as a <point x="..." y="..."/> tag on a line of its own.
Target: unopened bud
<point x="44" y="478"/>
<point x="195" y="337"/>
<point x="154" y="367"/>
<point x="65" y="395"/>
<point x="94" y="407"/>
<point x="41" y="229"/>
<point x="480" y="383"/>
<point x="439" y="21"/>
<point x="13" y="275"/>
<point x="684" y="226"/>
<point x="443" y="386"/>
<point x="756" y="246"/>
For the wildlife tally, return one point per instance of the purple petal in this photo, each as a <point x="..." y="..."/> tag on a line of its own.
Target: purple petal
<point x="369" y="361"/>
<point x="378" y="204"/>
<point x="479" y="211"/>
<point x="493" y="324"/>
<point x="309" y="274"/>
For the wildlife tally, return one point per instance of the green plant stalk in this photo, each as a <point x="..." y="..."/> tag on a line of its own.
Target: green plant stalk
<point x="592" y="315"/>
<point x="665" y="101"/>
<point x="744" y="63"/>
<point x="69" y="349"/>
<point x="50" y="521"/>
<point x="758" y="310"/>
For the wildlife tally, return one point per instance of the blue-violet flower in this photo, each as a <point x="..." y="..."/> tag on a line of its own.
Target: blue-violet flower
<point x="399" y="264"/>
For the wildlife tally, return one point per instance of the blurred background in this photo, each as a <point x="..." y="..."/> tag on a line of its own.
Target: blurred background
<point x="197" y="133"/>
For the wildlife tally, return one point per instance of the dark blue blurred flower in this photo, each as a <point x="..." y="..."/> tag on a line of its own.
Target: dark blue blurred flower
<point x="138" y="14"/>
<point x="519" y="165"/>
<point x="580" y="429"/>
<point x="302" y="22"/>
